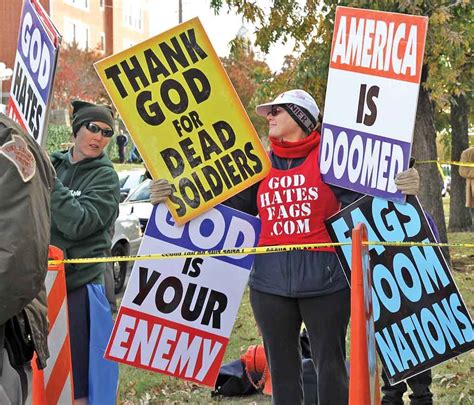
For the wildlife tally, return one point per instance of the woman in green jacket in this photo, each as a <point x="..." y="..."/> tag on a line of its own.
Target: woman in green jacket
<point x="84" y="205"/>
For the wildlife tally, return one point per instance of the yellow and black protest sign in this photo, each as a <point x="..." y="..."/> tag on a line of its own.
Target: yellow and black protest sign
<point x="185" y="118"/>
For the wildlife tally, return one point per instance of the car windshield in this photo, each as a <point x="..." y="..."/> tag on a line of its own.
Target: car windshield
<point x="122" y="180"/>
<point x="141" y="193"/>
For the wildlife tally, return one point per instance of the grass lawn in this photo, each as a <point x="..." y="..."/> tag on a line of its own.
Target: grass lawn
<point x="453" y="381"/>
<point x="127" y="166"/>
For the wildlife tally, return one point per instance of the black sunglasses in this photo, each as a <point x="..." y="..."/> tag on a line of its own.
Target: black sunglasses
<point x="275" y="110"/>
<point x="94" y="128"/>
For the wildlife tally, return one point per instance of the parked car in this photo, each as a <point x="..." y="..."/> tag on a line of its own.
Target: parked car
<point x="126" y="241"/>
<point x="138" y="203"/>
<point x="128" y="180"/>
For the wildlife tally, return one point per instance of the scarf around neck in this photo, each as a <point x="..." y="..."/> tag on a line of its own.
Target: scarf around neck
<point x="296" y="149"/>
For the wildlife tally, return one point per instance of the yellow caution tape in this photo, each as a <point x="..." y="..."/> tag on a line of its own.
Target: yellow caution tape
<point x="243" y="251"/>
<point x="446" y="162"/>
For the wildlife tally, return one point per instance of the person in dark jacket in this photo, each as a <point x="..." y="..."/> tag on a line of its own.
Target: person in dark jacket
<point x="289" y="288"/>
<point x="121" y="140"/>
<point x="84" y="205"/>
<point x="26" y="181"/>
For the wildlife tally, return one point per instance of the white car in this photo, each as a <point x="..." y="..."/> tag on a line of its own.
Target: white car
<point x="125" y="242"/>
<point x="128" y="180"/>
<point x="446" y="186"/>
<point x="138" y="204"/>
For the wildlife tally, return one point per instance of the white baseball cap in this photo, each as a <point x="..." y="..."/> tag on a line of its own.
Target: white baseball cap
<point x="297" y="96"/>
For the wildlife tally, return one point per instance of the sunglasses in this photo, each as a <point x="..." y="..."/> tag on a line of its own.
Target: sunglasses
<point x="275" y="111"/>
<point x="94" y="128"/>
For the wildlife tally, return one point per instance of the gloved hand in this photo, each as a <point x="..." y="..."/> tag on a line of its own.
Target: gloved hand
<point x="160" y="190"/>
<point x="408" y="182"/>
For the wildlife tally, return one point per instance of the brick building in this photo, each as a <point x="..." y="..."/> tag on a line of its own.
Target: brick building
<point x="107" y="25"/>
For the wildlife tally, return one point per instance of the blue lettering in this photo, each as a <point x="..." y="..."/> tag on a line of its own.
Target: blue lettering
<point x="419" y="329"/>
<point x="400" y="262"/>
<point x="392" y="230"/>
<point x="409" y="327"/>
<point x="375" y="305"/>
<point x="388" y="352"/>
<point x="448" y="323"/>
<point x="357" y="217"/>
<point x="413" y="226"/>
<point x="392" y="300"/>
<point x="437" y="341"/>
<point x="406" y="353"/>
<point x="455" y="303"/>
<point x="343" y="234"/>
<point x="429" y="266"/>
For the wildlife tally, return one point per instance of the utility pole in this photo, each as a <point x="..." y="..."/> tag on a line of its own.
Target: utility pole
<point x="180" y="11"/>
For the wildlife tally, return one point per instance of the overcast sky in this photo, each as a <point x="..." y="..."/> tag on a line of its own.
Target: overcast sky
<point x="221" y="28"/>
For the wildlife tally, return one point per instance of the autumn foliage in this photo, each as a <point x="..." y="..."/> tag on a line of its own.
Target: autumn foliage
<point x="76" y="77"/>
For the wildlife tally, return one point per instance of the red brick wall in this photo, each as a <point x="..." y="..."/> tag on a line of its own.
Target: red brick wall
<point x="108" y="20"/>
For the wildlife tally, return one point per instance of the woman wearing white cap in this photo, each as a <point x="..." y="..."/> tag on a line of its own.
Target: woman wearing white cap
<point x="288" y="288"/>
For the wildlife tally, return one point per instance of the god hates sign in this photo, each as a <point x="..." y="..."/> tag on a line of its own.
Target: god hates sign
<point x="371" y="99"/>
<point x="185" y="118"/>
<point x="177" y="314"/>
<point x="420" y="318"/>
<point x="33" y="74"/>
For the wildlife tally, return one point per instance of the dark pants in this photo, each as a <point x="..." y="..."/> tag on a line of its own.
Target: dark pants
<point x="121" y="152"/>
<point x="78" y="305"/>
<point x="326" y="319"/>
<point x="419" y="385"/>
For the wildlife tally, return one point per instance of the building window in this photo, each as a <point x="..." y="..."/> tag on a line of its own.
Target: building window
<point x="133" y="14"/>
<point x="75" y="31"/>
<point x="84" y="4"/>
<point x="102" y="42"/>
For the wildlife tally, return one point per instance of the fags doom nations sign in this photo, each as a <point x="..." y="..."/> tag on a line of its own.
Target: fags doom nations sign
<point x="420" y="317"/>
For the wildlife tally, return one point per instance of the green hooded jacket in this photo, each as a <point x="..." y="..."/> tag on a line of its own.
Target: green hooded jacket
<point x="84" y="205"/>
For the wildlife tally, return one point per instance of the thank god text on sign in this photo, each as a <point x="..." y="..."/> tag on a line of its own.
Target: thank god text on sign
<point x="371" y="99"/>
<point x="185" y="118"/>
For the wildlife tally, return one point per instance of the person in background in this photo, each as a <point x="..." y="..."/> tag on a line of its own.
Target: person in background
<point x="26" y="181"/>
<point x="134" y="156"/>
<point x="122" y="141"/>
<point x="289" y="288"/>
<point x="84" y="205"/>
<point x="467" y="156"/>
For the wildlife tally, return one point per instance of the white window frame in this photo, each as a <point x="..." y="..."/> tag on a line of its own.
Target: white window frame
<point x="80" y="4"/>
<point x="130" y="20"/>
<point x="78" y="27"/>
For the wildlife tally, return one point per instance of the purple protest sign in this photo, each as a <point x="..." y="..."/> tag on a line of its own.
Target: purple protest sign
<point x="371" y="99"/>
<point x="33" y="74"/>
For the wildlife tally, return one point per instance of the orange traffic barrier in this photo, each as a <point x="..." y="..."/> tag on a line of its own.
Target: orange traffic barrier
<point x="54" y="384"/>
<point x="363" y="384"/>
<point x="255" y="361"/>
